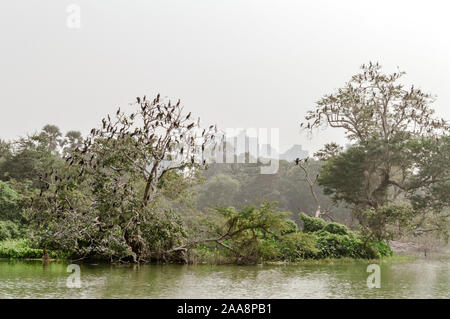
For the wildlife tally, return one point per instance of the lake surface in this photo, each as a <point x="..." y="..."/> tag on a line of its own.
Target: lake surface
<point x="421" y="278"/>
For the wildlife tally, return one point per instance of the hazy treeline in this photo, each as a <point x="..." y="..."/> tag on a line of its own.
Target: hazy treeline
<point x="136" y="188"/>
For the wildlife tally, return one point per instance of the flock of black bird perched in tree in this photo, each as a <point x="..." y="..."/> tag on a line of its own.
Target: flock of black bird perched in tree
<point x="298" y="160"/>
<point x="162" y="130"/>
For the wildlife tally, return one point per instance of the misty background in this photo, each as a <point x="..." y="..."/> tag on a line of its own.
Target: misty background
<point x="235" y="63"/>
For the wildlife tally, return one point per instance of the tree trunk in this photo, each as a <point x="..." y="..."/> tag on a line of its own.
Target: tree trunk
<point x="45" y="256"/>
<point x="318" y="212"/>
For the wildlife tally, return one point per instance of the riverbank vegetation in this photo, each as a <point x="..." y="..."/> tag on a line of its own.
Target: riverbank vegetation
<point x="145" y="186"/>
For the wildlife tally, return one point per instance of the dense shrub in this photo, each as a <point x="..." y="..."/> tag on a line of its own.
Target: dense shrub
<point x="288" y="227"/>
<point x="334" y="240"/>
<point x="311" y="224"/>
<point x="299" y="245"/>
<point x="20" y="249"/>
<point x="335" y="228"/>
<point x="383" y="249"/>
<point x="9" y="230"/>
<point x="269" y="250"/>
<point x="320" y="239"/>
<point x="337" y="246"/>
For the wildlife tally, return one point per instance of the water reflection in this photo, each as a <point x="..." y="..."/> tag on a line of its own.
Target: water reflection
<point x="423" y="278"/>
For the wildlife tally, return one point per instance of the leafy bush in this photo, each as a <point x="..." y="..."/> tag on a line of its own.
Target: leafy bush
<point x="311" y="224"/>
<point x="299" y="245"/>
<point x="269" y="250"/>
<point x="288" y="227"/>
<point x="9" y="230"/>
<point x="337" y="246"/>
<point x="383" y="248"/>
<point x="335" y="228"/>
<point x="20" y="249"/>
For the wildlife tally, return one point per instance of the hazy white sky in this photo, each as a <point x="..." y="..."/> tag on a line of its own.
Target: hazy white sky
<point x="237" y="63"/>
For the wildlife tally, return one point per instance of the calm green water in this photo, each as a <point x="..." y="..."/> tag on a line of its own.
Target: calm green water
<point x="423" y="278"/>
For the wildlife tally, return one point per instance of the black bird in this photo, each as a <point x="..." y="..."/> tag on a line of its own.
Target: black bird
<point x="297" y="160"/>
<point x="138" y="99"/>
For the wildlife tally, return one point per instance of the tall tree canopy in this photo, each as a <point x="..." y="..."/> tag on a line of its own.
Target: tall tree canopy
<point x="399" y="152"/>
<point x="116" y="182"/>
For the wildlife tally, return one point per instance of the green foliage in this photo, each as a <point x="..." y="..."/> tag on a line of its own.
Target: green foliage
<point x="383" y="248"/>
<point x="262" y="233"/>
<point x="311" y="224"/>
<point x="163" y="231"/>
<point x="337" y="246"/>
<point x="9" y="202"/>
<point x="386" y="221"/>
<point x="253" y="232"/>
<point x="264" y="218"/>
<point x="430" y="157"/>
<point x="21" y="249"/>
<point x="334" y="240"/>
<point x="269" y="250"/>
<point x="31" y="158"/>
<point x="289" y="227"/>
<point x="343" y="175"/>
<point x="336" y="228"/>
<point x="299" y="245"/>
<point x="9" y="230"/>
